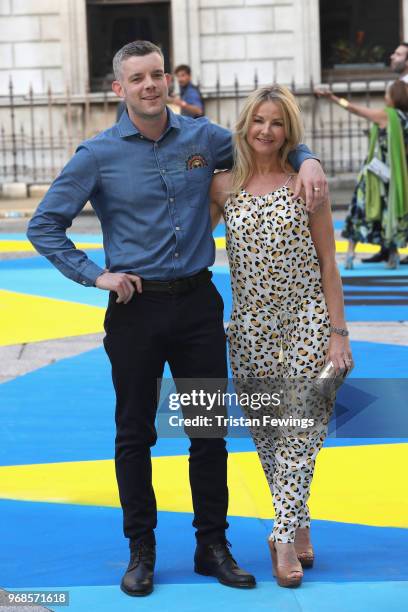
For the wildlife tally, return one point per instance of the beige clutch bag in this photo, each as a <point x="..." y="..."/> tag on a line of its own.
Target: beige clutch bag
<point x="328" y="381"/>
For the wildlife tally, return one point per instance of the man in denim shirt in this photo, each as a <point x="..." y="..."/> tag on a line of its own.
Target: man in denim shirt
<point x="148" y="179"/>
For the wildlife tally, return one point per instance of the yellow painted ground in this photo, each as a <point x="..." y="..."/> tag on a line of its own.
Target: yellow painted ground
<point x="30" y="318"/>
<point x="14" y="246"/>
<point x="355" y="484"/>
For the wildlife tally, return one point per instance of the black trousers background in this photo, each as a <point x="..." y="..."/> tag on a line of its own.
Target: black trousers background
<point x="187" y="331"/>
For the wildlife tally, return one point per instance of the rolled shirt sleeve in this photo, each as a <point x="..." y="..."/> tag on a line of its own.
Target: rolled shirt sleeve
<point x="299" y="155"/>
<point x="64" y="200"/>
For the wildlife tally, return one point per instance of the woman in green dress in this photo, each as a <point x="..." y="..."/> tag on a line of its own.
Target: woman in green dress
<point x="379" y="208"/>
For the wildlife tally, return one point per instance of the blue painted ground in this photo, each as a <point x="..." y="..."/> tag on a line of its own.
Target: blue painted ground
<point x="53" y="538"/>
<point x="81" y="548"/>
<point x="312" y="597"/>
<point x="37" y="427"/>
<point x="36" y="276"/>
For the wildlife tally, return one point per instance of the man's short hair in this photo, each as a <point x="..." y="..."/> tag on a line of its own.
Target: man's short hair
<point x="135" y="48"/>
<point x="183" y="68"/>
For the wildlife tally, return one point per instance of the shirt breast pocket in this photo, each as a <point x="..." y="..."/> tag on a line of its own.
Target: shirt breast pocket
<point x="196" y="184"/>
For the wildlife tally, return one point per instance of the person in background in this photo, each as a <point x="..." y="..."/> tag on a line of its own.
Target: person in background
<point x="399" y="64"/>
<point x="379" y="207"/>
<point x="190" y="100"/>
<point x="399" y="61"/>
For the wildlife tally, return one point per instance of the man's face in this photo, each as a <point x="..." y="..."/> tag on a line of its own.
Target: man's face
<point x="183" y="78"/>
<point x="143" y="85"/>
<point x="399" y="59"/>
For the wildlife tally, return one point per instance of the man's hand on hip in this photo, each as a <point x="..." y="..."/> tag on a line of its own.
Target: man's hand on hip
<point x="312" y="181"/>
<point x="123" y="284"/>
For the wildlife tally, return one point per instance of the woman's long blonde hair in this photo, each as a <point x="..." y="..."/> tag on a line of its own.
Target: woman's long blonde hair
<point x="292" y="123"/>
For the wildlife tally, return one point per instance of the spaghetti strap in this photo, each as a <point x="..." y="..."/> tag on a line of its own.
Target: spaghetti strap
<point x="289" y="179"/>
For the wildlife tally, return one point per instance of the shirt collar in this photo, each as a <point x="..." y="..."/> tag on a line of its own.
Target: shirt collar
<point x="127" y="128"/>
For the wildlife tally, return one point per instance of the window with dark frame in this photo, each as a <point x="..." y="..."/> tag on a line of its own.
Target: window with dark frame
<point x="358" y="33"/>
<point x="112" y="24"/>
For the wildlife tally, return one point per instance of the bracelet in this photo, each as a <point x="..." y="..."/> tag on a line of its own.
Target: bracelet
<point x="344" y="103"/>
<point x="341" y="331"/>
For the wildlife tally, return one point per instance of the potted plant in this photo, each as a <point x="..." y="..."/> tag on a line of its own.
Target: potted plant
<point x="357" y="55"/>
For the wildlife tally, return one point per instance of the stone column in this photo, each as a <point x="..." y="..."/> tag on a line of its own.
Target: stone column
<point x="75" y="45"/>
<point x="404" y="20"/>
<point x="307" y="42"/>
<point x="186" y="34"/>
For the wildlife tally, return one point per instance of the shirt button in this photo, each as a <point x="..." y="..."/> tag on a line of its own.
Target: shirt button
<point x="171" y="199"/>
<point x="176" y="254"/>
<point x="163" y="171"/>
<point x="177" y="228"/>
<point x="83" y="282"/>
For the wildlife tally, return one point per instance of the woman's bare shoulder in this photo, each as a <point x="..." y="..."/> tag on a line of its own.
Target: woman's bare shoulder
<point x="222" y="179"/>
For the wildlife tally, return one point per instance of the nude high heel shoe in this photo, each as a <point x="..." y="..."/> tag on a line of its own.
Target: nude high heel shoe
<point x="286" y="575"/>
<point x="303" y="547"/>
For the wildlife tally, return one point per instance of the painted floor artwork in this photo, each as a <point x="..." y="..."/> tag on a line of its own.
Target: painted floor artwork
<point x="61" y="523"/>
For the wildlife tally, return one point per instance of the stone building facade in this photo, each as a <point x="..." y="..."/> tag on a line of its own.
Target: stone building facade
<point x="68" y="45"/>
<point x="47" y="41"/>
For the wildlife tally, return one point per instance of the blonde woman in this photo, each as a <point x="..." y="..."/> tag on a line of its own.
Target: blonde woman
<point x="288" y="312"/>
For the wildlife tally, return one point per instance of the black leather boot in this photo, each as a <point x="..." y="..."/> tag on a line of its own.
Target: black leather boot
<point x="138" y="579"/>
<point x="216" y="560"/>
<point x="382" y="255"/>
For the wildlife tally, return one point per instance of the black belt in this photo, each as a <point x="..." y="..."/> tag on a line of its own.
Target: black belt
<point x="178" y="285"/>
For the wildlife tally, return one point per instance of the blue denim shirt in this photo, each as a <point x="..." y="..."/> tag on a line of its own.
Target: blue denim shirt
<point x="151" y="199"/>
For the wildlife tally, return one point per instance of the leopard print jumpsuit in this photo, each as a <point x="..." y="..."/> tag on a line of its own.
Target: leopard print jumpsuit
<point x="279" y="330"/>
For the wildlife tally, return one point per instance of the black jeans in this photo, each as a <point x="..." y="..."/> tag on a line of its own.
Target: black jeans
<point x="187" y="331"/>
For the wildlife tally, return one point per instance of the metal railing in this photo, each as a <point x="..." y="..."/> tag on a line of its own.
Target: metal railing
<point x="39" y="133"/>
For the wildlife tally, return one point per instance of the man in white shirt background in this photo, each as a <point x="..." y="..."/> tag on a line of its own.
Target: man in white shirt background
<point x="399" y="61"/>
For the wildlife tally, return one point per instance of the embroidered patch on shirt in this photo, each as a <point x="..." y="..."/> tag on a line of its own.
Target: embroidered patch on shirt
<point x="196" y="161"/>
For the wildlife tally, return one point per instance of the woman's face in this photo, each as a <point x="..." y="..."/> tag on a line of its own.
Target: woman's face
<point x="266" y="133"/>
